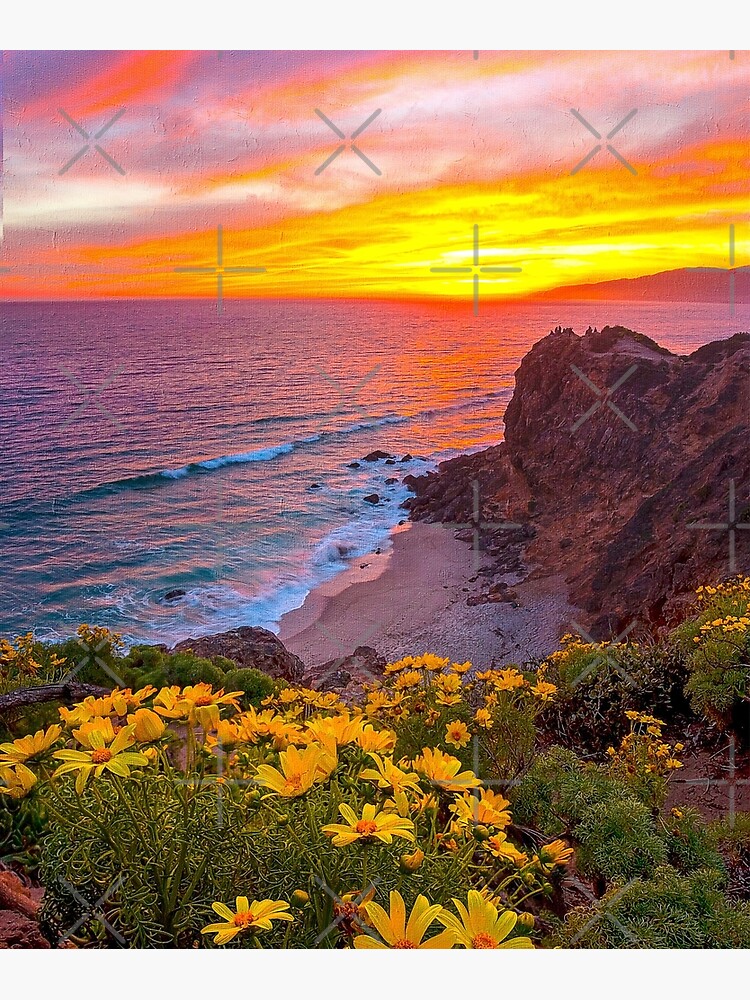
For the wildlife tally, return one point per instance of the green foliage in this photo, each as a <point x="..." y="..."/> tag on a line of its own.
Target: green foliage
<point x="254" y="684"/>
<point x="187" y="668"/>
<point x="166" y="850"/>
<point x="717" y="647"/>
<point x="597" y="685"/>
<point x="668" y="910"/>
<point x="618" y="839"/>
<point x="615" y="831"/>
<point x="22" y="823"/>
<point x="690" y="843"/>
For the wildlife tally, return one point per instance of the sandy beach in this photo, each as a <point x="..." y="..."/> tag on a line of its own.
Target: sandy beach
<point x="412" y="599"/>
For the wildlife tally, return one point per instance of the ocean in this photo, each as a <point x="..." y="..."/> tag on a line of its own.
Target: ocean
<point x="155" y="446"/>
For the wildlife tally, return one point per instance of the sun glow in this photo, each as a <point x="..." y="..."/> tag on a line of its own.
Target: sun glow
<point x="458" y="143"/>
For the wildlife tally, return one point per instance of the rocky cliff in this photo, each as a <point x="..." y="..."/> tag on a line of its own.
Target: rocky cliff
<point x="615" y="450"/>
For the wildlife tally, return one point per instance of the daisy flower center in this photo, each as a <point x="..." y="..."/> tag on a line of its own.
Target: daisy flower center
<point x="294" y="783"/>
<point x="404" y="943"/>
<point x="366" y="827"/>
<point x="483" y="941"/>
<point x="203" y="701"/>
<point x="245" y="919"/>
<point x="101" y="756"/>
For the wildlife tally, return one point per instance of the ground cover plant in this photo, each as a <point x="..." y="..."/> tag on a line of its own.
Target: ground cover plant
<point x="443" y="806"/>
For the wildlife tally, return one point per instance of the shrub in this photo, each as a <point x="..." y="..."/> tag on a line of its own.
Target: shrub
<point x="717" y="645"/>
<point x="618" y="840"/>
<point x="598" y="683"/>
<point x="254" y="684"/>
<point x="668" y="910"/>
<point x="187" y="668"/>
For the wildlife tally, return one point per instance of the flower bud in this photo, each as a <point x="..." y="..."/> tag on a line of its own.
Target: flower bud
<point x="411" y="862"/>
<point x="253" y="798"/>
<point x="148" y="725"/>
<point x="481" y="832"/>
<point x="526" y="920"/>
<point x="283" y="820"/>
<point x="300" y="898"/>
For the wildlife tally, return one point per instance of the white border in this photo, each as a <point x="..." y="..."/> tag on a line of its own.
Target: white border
<point x="374" y="24"/>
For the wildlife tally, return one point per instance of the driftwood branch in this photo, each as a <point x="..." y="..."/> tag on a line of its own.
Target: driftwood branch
<point x="67" y="693"/>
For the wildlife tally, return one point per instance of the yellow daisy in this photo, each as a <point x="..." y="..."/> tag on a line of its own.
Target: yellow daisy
<point x="101" y="756"/>
<point x="500" y="847"/>
<point x="489" y="809"/>
<point x="481" y="925"/>
<point x="29" y="747"/>
<point x="387" y="775"/>
<point x="300" y="770"/>
<point x="457" y="734"/>
<point x="372" y="825"/>
<point x="443" y="771"/>
<point x="396" y="932"/>
<point x="253" y="917"/>
<point x="16" y="781"/>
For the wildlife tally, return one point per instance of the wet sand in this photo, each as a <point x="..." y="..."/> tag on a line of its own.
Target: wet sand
<point x="412" y="599"/>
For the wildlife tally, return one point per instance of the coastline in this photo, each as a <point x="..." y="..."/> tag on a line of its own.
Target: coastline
<point x="412" y="599"/>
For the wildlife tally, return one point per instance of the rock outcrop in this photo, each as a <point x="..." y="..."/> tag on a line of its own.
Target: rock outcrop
<point x="348" y="673"/>
<point x="249" y="647"/>
<point x="19" y="907"/>
<point x="618" y="456"/>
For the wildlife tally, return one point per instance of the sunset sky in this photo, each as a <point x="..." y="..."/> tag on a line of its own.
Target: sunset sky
<point x="232" y="139"/>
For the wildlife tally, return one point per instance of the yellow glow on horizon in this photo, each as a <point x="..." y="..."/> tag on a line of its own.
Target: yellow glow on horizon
<point x="561" y="230"/>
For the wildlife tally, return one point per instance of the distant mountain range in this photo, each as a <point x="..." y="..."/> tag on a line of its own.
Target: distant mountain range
<point x="686" y="284"/>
